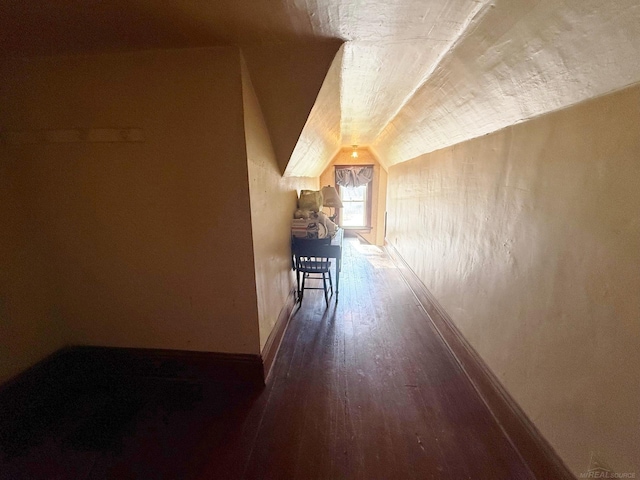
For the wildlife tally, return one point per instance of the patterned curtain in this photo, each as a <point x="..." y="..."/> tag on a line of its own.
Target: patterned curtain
<point x="354" y="176"/>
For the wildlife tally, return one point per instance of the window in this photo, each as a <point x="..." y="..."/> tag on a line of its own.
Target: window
<point x="356" y="209"/>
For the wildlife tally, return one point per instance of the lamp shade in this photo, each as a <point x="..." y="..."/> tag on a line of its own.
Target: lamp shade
<point x="330" y="197"/>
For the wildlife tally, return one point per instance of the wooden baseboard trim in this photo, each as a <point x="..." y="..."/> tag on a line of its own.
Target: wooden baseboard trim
<point x="362" y="239"/>
<point x="272" y="345"/>
<point x="163" y="364"/>
<point x="534" y="449"/>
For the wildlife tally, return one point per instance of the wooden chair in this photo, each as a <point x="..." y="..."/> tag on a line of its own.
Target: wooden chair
<point x="312" y="262"/>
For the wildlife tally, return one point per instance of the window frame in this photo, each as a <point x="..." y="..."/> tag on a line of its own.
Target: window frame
<point x="368" y="202"/>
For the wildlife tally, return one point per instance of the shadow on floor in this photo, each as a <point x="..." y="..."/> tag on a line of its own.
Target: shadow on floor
<point x="123" y="429"/>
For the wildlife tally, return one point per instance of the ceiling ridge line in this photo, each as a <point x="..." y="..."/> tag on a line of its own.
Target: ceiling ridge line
<point x="473" y="20"/>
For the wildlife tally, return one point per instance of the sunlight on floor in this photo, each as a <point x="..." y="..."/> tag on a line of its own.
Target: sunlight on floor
<point x="374" y="255"/>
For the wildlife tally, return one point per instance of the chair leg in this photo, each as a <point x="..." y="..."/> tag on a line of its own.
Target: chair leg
<point x="304" y="276"/>
<point x="324" y="283"/>
<point x="330" y="282"/>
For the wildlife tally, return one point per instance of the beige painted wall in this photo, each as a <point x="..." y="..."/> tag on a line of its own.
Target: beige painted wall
<point x="530" y="239"/>
<point x="273" y="201"/>
<point x="287" y="77"/>
<point x="142" y="244"/>
<point x="30" y="326"/>
<point x="379" y="188"/>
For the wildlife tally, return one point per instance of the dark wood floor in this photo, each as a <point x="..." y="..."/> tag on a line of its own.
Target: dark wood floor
<point x="362" y="390"/>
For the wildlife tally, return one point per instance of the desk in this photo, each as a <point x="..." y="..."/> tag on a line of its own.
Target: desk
<point x="321" y="247"/>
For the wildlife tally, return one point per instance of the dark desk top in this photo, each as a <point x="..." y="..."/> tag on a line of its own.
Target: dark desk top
<point x="319" y="247"/>
<point x="335" y="240"/>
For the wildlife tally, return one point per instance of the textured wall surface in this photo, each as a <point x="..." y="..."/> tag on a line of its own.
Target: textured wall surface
<point x="530" y="239"/>
<point x="273" y="201"/>
<point x="287" y="78"/>
<point x="517" y="60"/>
<point x="416" y="76"/>
<point x="142" y="244"/>
<point x="320" y="139"/>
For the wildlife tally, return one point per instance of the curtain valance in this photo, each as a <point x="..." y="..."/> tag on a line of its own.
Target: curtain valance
<point x="354" y="176"/>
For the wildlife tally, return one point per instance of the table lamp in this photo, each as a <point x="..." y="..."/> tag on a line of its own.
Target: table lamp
<point x="331" y="199"/>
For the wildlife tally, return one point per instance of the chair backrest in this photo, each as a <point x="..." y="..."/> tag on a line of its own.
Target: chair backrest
<point x="312" y="254"/>
<point x="312" y="264"/>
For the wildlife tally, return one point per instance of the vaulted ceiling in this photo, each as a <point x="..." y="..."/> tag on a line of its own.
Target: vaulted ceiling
<point x="412" y="76"/>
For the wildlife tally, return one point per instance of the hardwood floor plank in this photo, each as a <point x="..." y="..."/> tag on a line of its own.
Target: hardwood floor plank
<point x="364" y="389"/>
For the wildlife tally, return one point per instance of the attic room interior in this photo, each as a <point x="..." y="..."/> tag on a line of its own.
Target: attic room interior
<point x="151" y="159"/>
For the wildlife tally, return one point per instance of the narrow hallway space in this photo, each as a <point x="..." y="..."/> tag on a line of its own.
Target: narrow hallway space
<point x="362" y="390"/>
<point x="366" y="389"/>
